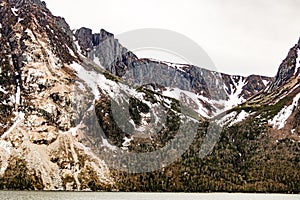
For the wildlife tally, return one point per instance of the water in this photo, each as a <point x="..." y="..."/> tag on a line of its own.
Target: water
<point x="6" y="195"/>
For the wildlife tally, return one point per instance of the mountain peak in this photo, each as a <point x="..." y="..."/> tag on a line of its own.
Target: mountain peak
<point x="288" y="69"/>
<point x="19" y="3"/>
<point x="88" y="39"/>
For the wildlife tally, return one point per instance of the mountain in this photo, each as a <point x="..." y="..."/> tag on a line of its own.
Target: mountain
<point x="214" y="89"/>
<point x="81" y="112"/>
<point x="38" y="150"/>
<point x="256" y="151"/>
<point x="278" y="103"/>
<point x="288" y="69"/>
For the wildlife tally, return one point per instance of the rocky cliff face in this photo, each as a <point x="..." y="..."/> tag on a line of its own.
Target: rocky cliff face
<point x="288" y="69"/>
<point x="38" y="148"/>
<point x="105" y="50"/>
<point x="225" y="90"/>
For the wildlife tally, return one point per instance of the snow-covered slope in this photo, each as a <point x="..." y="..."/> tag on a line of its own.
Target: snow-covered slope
<point x="217" y="91"/>
<point x="278" y="105"/>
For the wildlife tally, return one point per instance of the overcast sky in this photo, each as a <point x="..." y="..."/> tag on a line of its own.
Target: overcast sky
<point x="240" y="36"/>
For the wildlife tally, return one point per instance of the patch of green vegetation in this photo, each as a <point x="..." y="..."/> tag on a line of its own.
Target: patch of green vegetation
<point x="246" y="107"/>
<point x="107" y="122"/>
<point x="149" y="94"/>
<point x="245" y="159"/>
<point x="190" y="112"/>
<point x="173" y="121"/>
<point x="175" y="106"/>
<point x="266" y="111"/>
<point x="135" y="108"/>
<point x="110" y="76"/>
<point x="271" y="110"/>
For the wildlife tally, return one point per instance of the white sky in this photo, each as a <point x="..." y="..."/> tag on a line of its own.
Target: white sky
<point x="241" y="36"/>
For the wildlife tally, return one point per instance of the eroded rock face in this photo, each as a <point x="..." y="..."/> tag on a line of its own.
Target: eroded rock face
<point x="36" y="104"/>
<point x="288" y="68"/>
<point x="216" y="91"/>
<point x="106" y="51"/>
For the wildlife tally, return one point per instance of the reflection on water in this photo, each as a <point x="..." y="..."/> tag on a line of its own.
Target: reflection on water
<point x="8" y="195"/>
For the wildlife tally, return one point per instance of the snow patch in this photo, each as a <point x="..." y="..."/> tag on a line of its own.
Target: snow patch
<point x="97" y="61"/>
<point x="17" y="120"/>
<point x="78" y="48"/>
<point x="234" y="97"/>
<point x="240" y="117"/>
<point x="14" y="10"/>
<point x="6" y="146"/>
<point x="293" y="131"/>
<point x="107" y="144"/>
<point x="280" y="119"/>
<point x="232" y="118"/>
<point x="2" y="90"/>
<point x="74" y="131"/>
<point x="144" y="124"/>
<point x="96" y="80"/>
<point x="265" y="82"/>
<point x="179" y="67"/>
<point x="126" y="143"/>
<point x="233" y="100"/>
<point x="226" y="119"/>
<point x="191" y="97"/>
<point x="89" y="77"/>
<point x="18" y="95"/>
<point x="71" y="52"/>
<point x="172" y="93"/>
<point x="20" y="19"/>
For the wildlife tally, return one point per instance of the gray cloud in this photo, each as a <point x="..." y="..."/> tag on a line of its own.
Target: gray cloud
<point x="241" y="36"/>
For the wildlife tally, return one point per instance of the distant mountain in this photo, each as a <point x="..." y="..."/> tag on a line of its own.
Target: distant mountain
<point x="288" y="70"/>
<point x="277" y="105"/>
<point x="257" y="150"/>
<point x="212" y="88"/>
<point x="81" y="112"/>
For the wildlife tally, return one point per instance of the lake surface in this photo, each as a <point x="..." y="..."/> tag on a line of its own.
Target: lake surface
<point x="7" y="195"/>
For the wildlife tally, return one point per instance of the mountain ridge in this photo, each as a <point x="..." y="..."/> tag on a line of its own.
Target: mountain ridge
<point x="123" y="63"/>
